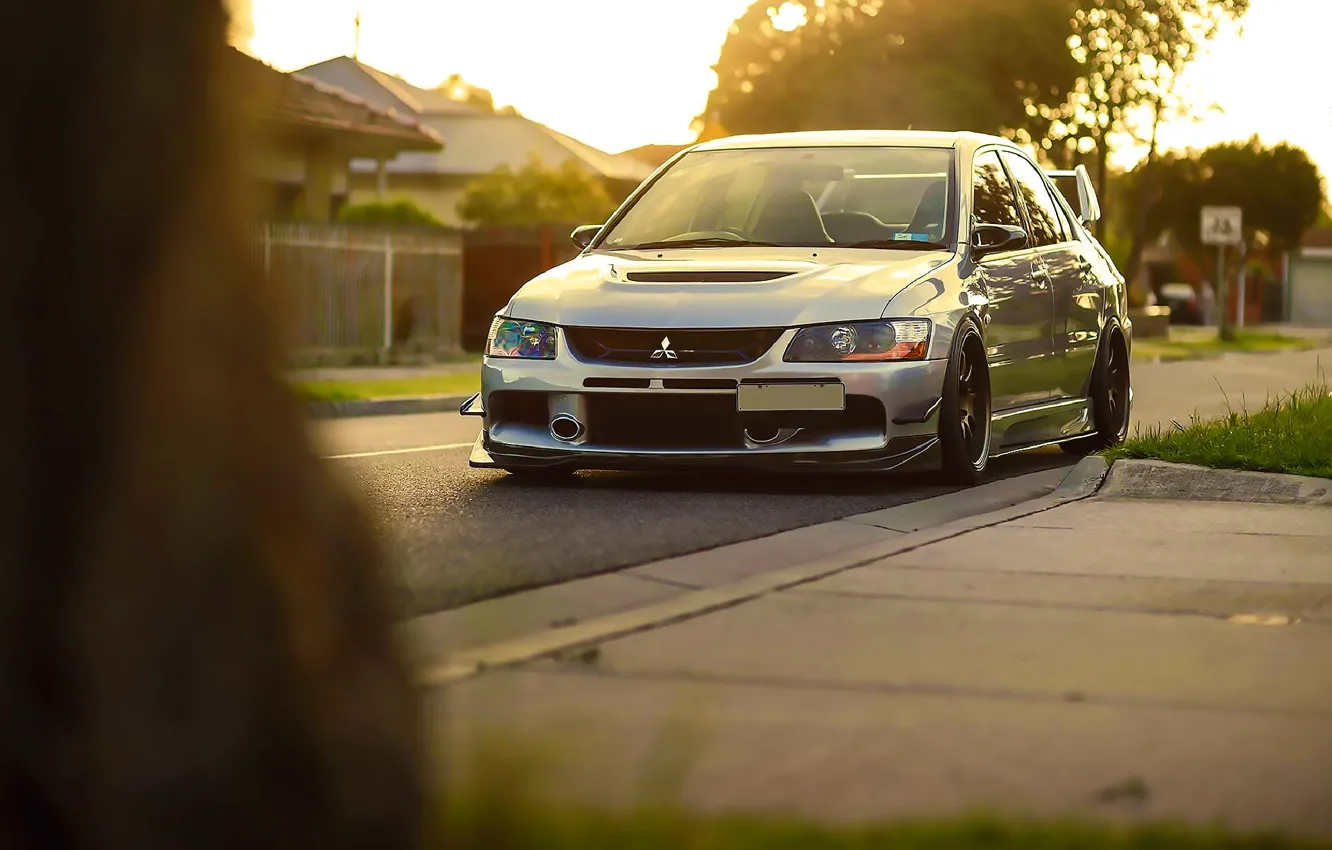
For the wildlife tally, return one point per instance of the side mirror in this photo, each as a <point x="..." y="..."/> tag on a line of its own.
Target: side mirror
<point x="1089" y="206"/>
<point x="993" y="238"/>
<point x="582" y="236"/>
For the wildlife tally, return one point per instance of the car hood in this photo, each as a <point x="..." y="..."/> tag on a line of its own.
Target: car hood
<point x="721" y="288"/>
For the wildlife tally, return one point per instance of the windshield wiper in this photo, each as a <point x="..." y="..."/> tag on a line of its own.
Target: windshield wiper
<point x="709" y="242"/>
<point x="898" y="244"/>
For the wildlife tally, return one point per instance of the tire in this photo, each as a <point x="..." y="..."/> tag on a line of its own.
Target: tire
<point x="964" y="415"/>
<point x="1110" y="383"/>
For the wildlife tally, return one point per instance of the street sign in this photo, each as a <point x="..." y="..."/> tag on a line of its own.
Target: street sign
<point x="1222" y="225"/>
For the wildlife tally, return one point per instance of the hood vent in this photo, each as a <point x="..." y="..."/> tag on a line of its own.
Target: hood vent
<point x="706" y="276"/>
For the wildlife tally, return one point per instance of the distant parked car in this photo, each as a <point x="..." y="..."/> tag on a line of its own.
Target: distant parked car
<point x="1182" y="300"/>
<point x="826" y="301"/>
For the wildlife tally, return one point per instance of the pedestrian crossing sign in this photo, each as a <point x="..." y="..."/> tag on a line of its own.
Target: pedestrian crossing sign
<point x="1222" y="225"/>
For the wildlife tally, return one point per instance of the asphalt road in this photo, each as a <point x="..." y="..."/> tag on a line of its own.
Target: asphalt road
<point x="458" y="535"/>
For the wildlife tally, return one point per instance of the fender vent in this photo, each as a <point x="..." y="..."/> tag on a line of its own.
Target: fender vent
<point x="705" y="276"/>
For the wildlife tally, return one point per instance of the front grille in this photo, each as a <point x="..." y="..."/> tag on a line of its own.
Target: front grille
<point x="644" y="420"/>
<point x="655" y="347"/>
<point x="684" y="421"/>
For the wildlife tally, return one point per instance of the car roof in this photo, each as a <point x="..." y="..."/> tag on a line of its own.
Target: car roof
<point x="854" y="138"/>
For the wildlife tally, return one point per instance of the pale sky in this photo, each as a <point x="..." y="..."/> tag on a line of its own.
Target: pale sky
<point x="621" y="73"/>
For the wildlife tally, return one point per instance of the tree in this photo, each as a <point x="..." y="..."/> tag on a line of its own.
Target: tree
<point x="456" y="88"/>
<point x="536" y="194"/>
<point x="843" y="64"/>
<point x="1279" y="188"/>
<point x="396" y="214"/>
<point x="1065" y="75"/>
<point x="1130" y="54"/>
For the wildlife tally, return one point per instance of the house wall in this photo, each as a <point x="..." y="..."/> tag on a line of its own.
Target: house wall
<point x="1310" y="286"/>
<point x="282" y="170"/>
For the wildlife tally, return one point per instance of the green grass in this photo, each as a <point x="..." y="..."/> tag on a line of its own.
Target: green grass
<point x="1187" y="344"/>
<point x="1292" y="435"/>
<point x="562" y="828"/>
<point x="456" y="384"/>
<point x="502" y="797"/>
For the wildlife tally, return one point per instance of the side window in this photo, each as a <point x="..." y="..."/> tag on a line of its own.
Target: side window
<point x="1041" y="210"/>
<point x="993" y="200"/>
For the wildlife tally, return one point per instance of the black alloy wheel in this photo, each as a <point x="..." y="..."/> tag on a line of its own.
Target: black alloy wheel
<point x="1110" y="398"/>
<point x="964" y="416"/>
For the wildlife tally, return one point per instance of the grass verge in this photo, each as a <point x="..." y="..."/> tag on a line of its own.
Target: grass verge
<point x="456" y="384"/>
<point x="567" y="829"/>
<point x="1190" y="344"/>
<point x="505" y="800"/>
<point x="1292" y="435"/>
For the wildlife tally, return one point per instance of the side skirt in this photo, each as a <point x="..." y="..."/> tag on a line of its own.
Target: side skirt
<point x="1040" y="426"/>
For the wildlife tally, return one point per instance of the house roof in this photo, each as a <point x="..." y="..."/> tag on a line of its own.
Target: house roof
<point x="654" y="155"/>
<point x="1317" y="237"/>
<point x="480" y="143"/>
<point x="384" y="90"/>
<point x="296" y="102"/>
<point x="479" y="140"/>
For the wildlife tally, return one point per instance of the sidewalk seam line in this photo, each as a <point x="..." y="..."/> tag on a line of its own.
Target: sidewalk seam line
<point x="1053" y="606"/>
<point x="1084" y="698"/>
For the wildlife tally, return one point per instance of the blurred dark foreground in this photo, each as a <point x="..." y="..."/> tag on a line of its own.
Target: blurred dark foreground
<point x="195" y="644"/>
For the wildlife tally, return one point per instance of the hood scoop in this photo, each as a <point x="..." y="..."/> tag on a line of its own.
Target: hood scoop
<point x="706" y="276"/>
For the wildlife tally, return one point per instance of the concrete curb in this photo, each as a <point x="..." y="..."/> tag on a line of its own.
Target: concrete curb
<point x="386" y="406"/>
<point x="1080" y="483"/>
<point x="1084" y="479"/>
<point x="1154" y="479"/>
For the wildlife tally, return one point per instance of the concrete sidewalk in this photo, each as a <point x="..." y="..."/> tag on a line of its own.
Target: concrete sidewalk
<point x="1137" y="654"/>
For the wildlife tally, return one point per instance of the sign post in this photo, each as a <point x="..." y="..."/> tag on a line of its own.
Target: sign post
<point x="1243" y="274"/>
<point x="1222" y="226"/>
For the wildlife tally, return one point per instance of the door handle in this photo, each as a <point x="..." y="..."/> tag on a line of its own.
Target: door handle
<point x="1042" y="276"/>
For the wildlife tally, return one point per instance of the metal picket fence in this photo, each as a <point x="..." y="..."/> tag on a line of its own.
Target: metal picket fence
<point x="367" y="288"/>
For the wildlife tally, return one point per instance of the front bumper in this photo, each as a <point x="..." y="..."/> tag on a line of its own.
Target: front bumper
<point x="678" y="417"/>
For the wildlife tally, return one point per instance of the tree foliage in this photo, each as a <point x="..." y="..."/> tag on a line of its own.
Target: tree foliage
<point x="1130" y="54"/>
<point x="1279" y="189"/>
<point x="1066" y="75"/>
<point x="844" y="64"/>
<point x="536" y="194"/>
<point x="395" y="214"/>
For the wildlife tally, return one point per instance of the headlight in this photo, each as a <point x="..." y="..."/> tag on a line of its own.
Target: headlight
<point x="518" y="338"/>
<point x="861" y="342"/>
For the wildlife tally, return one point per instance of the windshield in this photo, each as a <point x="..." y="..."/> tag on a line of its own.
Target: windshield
<point x="880" y="197"/>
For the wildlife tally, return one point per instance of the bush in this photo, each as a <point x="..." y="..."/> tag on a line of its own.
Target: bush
<point x="395" y="214"/>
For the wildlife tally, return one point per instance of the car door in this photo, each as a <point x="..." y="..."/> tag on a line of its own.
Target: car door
<point x="1075" y="298"/>
<point x="1019" y="317"/>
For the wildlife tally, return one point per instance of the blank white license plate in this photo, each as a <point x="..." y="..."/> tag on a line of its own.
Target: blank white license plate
<point x="762" y="398"/>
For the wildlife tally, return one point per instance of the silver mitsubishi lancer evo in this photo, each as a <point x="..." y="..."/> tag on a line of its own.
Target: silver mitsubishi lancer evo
<point x="825" y="301"/>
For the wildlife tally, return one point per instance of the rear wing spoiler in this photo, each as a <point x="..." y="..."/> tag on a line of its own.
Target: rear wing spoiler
<point x="1088" y="205"/>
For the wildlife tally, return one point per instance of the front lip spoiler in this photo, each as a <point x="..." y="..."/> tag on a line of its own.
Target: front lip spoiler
<point x="472" y="407"/>
<point x="900" y="454"/>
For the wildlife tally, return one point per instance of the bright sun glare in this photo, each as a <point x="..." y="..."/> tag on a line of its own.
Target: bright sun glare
<point x="649" y="88"/>
<point x="790" y="16"/>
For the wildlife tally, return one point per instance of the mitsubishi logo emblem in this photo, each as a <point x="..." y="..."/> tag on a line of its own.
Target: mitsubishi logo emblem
<point x="665" y="350"/>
